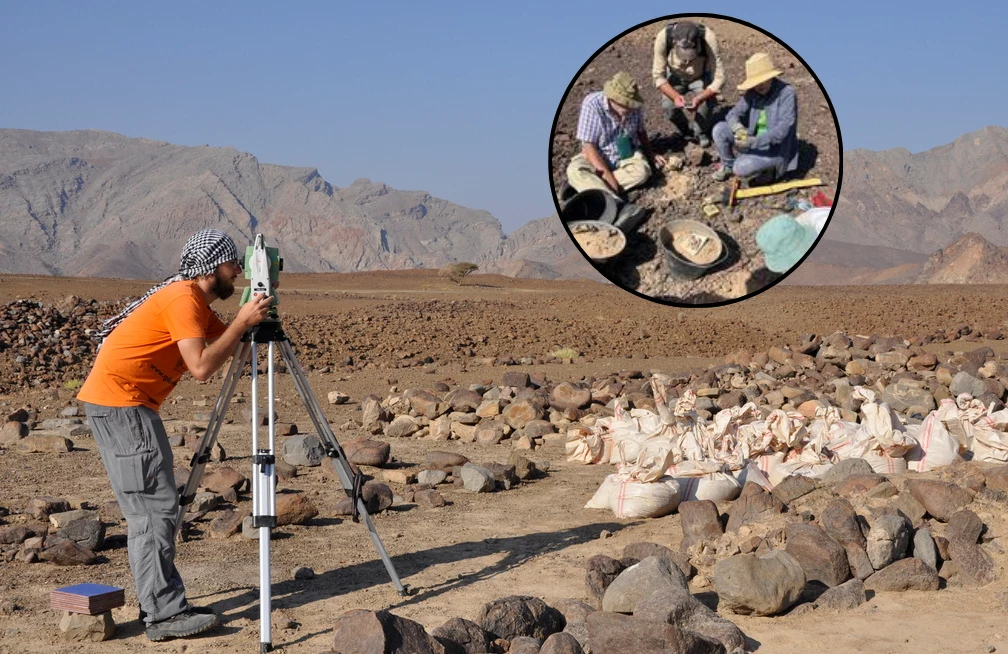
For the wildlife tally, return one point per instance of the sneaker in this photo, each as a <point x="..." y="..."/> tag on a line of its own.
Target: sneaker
<point x="186" y="623"/>
<point x="723" y="173"/>
<point x="703" y="140"/>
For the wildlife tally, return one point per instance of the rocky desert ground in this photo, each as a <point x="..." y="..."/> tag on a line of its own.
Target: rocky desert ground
<point x="679" y="191"/>
<point x="402" y="354"/>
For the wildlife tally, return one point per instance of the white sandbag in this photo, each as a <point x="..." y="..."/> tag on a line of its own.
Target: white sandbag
<point x="585" y="446"/>
<point x="751" y="473"/>
<point x="885" y="465"/>
<point x="990" y="442"/>
<point x="883" y="424"/>
<point x="715" y="486"/>
<point x="935" y="445"/>
<point x="628" y="498"/>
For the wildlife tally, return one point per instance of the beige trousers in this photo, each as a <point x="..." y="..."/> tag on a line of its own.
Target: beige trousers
<point x="629" y="173"/>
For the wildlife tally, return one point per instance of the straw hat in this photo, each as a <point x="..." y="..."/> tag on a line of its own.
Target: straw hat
<point x="784" y="241"/>
<point x="758" y="69"/>
<point x="623" y="89"/>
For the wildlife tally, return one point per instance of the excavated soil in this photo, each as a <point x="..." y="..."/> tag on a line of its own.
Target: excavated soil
<point x="680" y="194"/>
<point x="376" y="330"/>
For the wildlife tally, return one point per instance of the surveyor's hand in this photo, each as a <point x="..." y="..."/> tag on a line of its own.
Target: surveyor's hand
<point x="660" y="161"/>
<point x="741" y="138"/>
<point x="695" y="102"/>
<point x="610" y="179"/>
<point x="679" y="100"/>
<point x="254" y="311"/>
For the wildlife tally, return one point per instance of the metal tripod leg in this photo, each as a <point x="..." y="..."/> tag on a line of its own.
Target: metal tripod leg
<point x="335" y="452"/>
<point x="241" y="356"/>
<point x="264" y="494"/>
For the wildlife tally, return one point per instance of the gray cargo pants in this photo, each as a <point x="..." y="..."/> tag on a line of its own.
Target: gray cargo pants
<point x="134" y="448"/>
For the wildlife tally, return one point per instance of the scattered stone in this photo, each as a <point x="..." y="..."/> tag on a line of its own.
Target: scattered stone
<point x="336" y="397"/>
<point x="940" y="499"/>
<point x="839" y="521"/>
<point x="402" y="427"/>
<point x="964" y="526"/>
<point x="303" y="573"/>
<point x="86" y="532"/>
<point x="639" y="581"/>
<point x="753" y="504"/>
<point x="601" y="570"/>
<point x="361" y="631"/>
<point x="294" y="509"/>
<point x="910" y="507"/>
<point x="924" y="548"/>
<point x="561" y="643"/>
<point x="428" y="499"/>
<point x="567" y="396"/>
<point x="791" y="488"/>
<point x="227" y="523"/>
<point x="477" y="479"/>
<point x="78" y="627"/>
<point x="677" y="606"/>
<point x="515" y="379"/>
<point x="464" y="634"/>
<point x="488" y="435"/>
<point x="759" y="584"/>
<point x="367" y="452"/>
<point x="431" y="477"/>
<point x="42" y="443"/>
<point x="858" y="484"/>
<point x="399" y="477"/>
<point x="887" y="539"/>
<point x="62" y="519"/>
<point x="223" y="478"/>
<point x="524" y="645"/>
<point x="637" y="552"/>
<point x="846" y="596"/>
<point x="524" y="469"/>
<point x="860" y="564"/>
<point x="67" y="552"/>
<point x="964" y="382"/>
<point x="519" y="615"/>
<point x="844" y="469"/>
<point x="437" y="460"/>
<point x="905" y="574"/>
<point x="520" y="413"/>
<point x="821" y="557"/>
<point x="974" y="565"/>
<point x="40" y="507"/>
<point x="615" y="633"/>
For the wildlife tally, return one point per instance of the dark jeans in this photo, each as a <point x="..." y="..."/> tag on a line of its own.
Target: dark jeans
<point x="698" y="122"/>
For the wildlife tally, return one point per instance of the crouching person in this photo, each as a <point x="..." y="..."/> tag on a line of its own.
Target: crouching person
<point x="759" y="136"/>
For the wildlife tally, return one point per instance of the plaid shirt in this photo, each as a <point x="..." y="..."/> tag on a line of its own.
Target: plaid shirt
<point x="598" y="125"/>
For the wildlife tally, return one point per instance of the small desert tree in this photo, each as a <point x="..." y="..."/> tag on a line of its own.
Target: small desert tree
<point x="458" y="271"/>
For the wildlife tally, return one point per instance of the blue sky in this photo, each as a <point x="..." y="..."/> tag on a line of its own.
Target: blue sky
<point x="454" y="98"/>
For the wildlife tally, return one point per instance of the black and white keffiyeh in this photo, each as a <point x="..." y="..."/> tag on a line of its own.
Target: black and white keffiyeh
<point x="203" y="252"/>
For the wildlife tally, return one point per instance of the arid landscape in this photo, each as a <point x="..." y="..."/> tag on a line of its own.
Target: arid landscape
<point x="381" y="334"/>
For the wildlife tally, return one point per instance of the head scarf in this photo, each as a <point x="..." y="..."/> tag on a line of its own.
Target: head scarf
<point x="203" y="252"/>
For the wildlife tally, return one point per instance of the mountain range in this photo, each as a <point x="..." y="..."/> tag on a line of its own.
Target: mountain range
<point x="99" y="204"/>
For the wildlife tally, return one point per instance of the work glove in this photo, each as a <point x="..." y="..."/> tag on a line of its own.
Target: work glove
<point x="741" y="138"/>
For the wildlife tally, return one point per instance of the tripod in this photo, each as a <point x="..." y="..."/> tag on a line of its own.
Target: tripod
<point x="264" y="458"/>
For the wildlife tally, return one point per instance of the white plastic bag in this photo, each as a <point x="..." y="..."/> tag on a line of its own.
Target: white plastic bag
<point x="936" y="447"/>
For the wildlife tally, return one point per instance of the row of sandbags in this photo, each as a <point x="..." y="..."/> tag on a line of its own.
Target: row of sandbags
<point x="673" y="449"/>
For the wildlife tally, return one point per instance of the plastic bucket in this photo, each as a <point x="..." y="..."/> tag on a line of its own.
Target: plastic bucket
<point x="682" y="264"/>
<point x="592" y="204"/>
<point x="595" y="226"/>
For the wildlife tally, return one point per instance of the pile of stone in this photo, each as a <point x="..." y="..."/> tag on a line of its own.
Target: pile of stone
<point x="44" y="345"/>
<point x="524" y="410"/>
<point x="807" y="545"/>
<point x="661" y="616"/>
<point x="55" y="530"/>
<point x="24" y="432"/>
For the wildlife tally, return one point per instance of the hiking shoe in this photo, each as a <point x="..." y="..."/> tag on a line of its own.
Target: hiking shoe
<point x="723" y="173"/>
<point x="703" y="140"/>
<point x="195" y="609"/>
<point x="186" y="623"/>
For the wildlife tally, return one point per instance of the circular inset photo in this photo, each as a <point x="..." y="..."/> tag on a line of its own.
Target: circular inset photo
<point x="695" y="160"/>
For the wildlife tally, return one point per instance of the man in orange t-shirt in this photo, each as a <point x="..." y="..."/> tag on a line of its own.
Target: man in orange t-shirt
<point x="146" y="350"/>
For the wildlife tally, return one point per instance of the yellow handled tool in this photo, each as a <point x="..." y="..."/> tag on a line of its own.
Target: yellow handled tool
<point x="757" y="191"/>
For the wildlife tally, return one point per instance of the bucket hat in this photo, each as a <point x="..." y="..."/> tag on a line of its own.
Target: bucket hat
<point x="784" y="241"/>
<point x="623" y="89"/>
<point x="758" y="69"/>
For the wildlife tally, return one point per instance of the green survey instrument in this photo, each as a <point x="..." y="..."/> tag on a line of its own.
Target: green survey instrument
<point x="262" y="268"/>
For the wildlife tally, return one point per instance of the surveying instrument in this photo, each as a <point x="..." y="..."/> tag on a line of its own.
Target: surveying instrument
<point x="262" y="267"/>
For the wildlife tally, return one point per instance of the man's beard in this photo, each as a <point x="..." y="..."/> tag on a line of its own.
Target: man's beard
<point x="222" y="287"/>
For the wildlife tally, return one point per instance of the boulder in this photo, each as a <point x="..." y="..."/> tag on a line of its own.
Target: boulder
<point x="78" y="627"/>
<point x="614" y="633"/>
<point x="752" y="504"/>
<point x="844" y="469"/>
<point x="294" y="509"/>
<point x="939" y="498"/>
<point x="463" y="636"/>
<point x="402" y="427"/>
<point x="373" y="632"/>
<point x="600" y="572"/>
<point x="367" y="452"/>
<point x="568" y="396"/>
<point x="700" y="520"/>
<point x="924" y="548"/>
<point x="821" y="557"/>
<point x="67" y="552"/>
<point x="674" y="605"/>
<point x="303" y="450"/>
<point x="477" y="479"/>
<point x="765" y="584"/>
<point x="839" y="521"/>
<point x="636" y="552"/>
<point x="561" y="643"/>
<point x="519" y="615"/>
<point x="639" y="581"/>
<point x="791" y="488"/>
<point x="524" y="645"/>
<point x="846" y="596"/>
<point x="518" y="414"/>
<point x="43" y="443"/>
<point x="887" y="539"/>
<point x="446" y="461"/>
<point x="905" y="574"/>
<point x="428" y="498"/>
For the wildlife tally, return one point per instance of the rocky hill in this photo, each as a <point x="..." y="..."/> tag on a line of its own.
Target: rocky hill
<point x="970" y="260"/>
<point x="922" y="202"/>
<point x="93" y="203"/>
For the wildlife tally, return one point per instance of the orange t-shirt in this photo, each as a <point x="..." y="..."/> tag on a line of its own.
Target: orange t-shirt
<point x="140" y="362"/>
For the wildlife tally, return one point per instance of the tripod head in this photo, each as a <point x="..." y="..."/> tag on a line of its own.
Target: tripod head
<point x="262" y="267"/>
